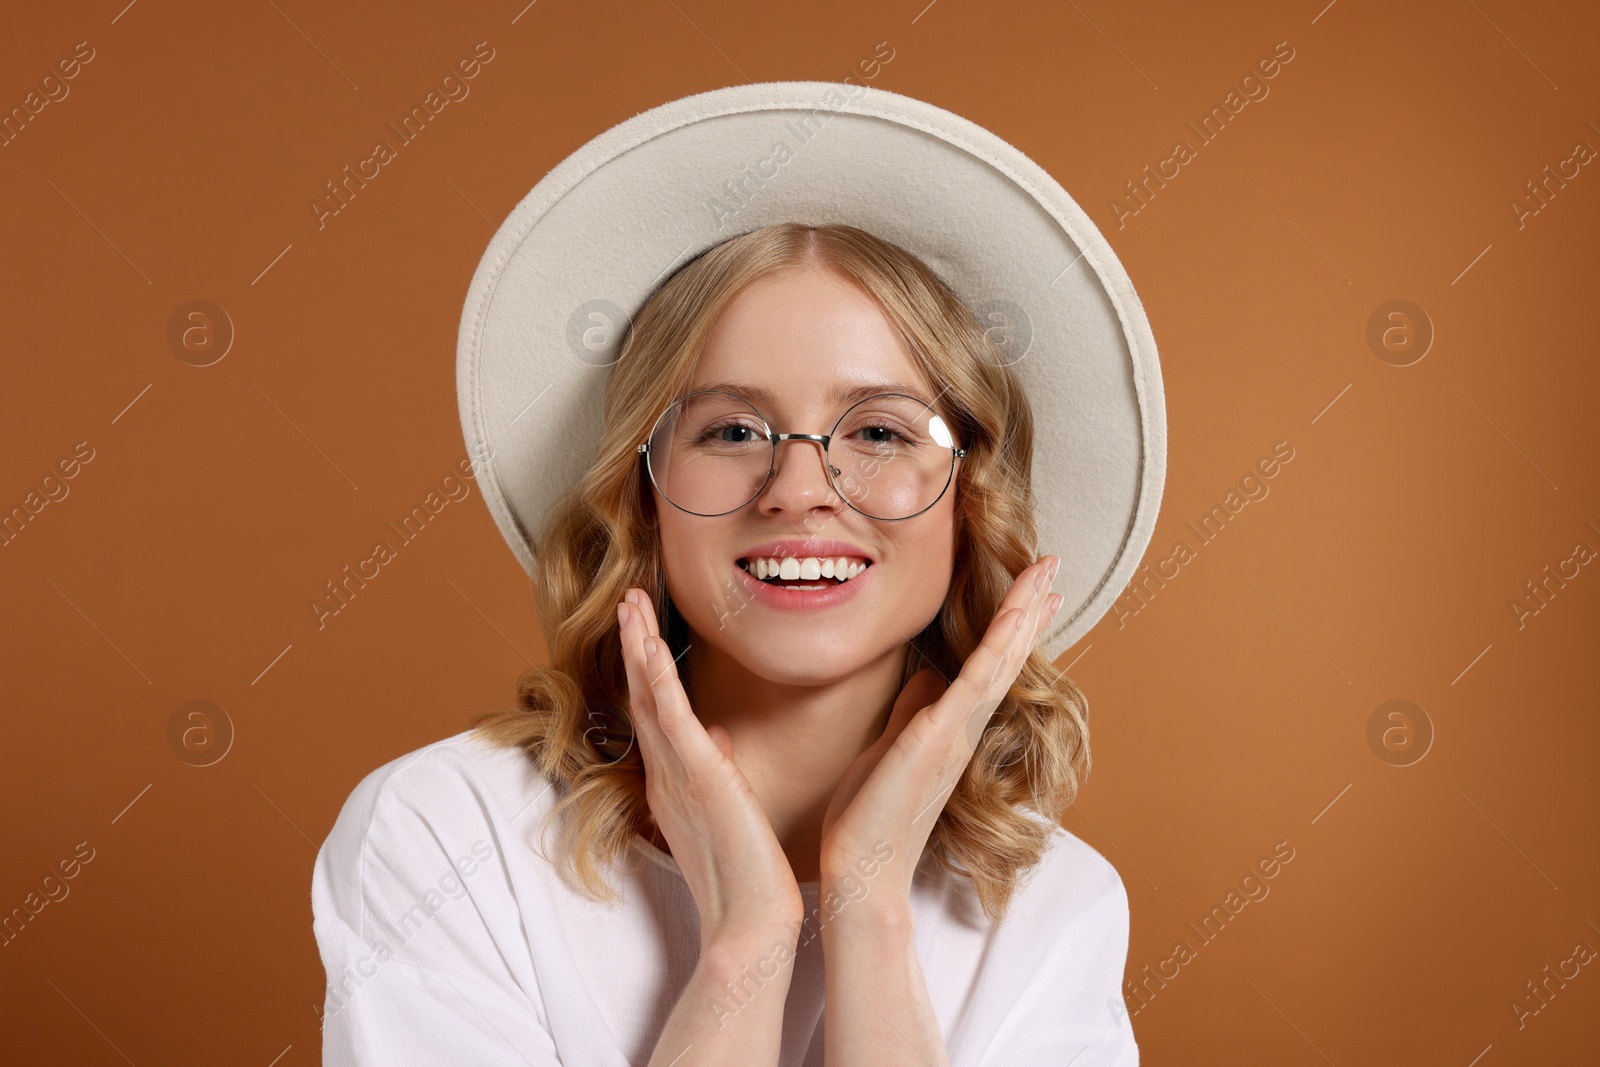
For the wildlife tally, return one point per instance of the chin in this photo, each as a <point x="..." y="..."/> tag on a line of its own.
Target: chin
<point x="786" y="671"/>
<point x="802" y="647"/>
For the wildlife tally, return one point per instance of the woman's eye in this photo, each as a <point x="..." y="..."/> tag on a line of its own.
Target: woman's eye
<point x="884" y="434"/>
<point x="729" y="433"/>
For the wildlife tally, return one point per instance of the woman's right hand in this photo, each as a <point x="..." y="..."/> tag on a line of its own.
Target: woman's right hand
<point x="705" y="809"/>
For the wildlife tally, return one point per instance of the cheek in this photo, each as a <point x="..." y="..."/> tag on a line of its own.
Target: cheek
<point x="694" y="574"/>
<point x="927" y="561"/>
<point x="945" y="552"/>
<point x="678" y="550"/>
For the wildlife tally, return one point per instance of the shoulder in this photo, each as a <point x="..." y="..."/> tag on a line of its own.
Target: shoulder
<point x="437" y="776"/>
<point x="1068" y="935"/>
<point x="442" y="809"/>
<point x="463" y="757"/>
<point x="427" y="914"/>
<point x="1048" y="987"/>
<point x="1073" y="877"/>
<point x="1074" y="905"/>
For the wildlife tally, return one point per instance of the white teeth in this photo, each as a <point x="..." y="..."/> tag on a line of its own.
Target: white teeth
<point x="792" y="568"/>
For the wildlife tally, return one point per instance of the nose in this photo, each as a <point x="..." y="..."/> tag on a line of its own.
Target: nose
<point x="799" y="483"/>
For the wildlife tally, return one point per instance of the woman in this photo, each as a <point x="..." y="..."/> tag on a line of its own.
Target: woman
<point x="794" y="699"/>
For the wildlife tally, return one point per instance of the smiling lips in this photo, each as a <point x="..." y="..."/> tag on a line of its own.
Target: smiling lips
<point x="800" y="593"/>
<point x="805" y="574"/>
<point x="791" y="570"/>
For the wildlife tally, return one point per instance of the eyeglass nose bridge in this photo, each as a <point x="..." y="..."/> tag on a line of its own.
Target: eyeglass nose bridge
<point x="821" y="438"/>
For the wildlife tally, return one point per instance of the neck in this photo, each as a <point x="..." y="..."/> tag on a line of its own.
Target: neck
<point x="793" y="742"/>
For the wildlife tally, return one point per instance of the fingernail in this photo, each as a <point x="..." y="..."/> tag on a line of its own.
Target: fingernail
<point x="1042" y="581"/>
<point x="631" y="597"/>
<point x="1055" y="566"/>
<point x="622" y="614"/>
<point x="652" y="645"/>
<point x="1055" y="606"/>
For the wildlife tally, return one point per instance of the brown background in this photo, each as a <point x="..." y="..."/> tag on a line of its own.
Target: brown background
<point x="1229" y="714"/>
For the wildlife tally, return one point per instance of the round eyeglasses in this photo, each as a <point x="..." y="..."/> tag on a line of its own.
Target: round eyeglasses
<point x="890" y="456"/>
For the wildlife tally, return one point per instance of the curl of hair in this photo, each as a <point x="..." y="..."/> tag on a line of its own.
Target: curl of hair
<point x="601" y="538"/>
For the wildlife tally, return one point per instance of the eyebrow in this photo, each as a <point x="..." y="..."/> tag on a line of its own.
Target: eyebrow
<point x="838" y="394"/>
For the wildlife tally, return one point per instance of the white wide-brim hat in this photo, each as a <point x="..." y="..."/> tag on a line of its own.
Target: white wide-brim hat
<point x="562" y="278"/>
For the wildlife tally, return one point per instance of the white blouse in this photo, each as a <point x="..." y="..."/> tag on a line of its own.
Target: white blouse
<point x="448" y="938"/>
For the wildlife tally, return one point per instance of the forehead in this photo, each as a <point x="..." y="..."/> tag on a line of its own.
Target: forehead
<point x="804" y="345"/>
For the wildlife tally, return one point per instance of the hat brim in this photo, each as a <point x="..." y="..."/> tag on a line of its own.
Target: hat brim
<point x="556" y="289"/>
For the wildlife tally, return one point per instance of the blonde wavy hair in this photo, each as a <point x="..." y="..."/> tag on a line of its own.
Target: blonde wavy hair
<point x="602" y="537"/>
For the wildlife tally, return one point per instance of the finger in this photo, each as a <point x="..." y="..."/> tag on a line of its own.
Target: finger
<point x="924" y="688"/>
<point x="1047" y="612"/>
<point x="645" y="613"/>
<point x="1026" y="590"/>
<point x="642" y="599"/>
<point x="673" y="714"/>
<point x="649" y="629"/>
<point x="1041" y="606"/>
<point x="638" y="691"/>
<point x="1028" y="594"/>
<point x="678" y="733"/>
<point x="988" y="673"/>
<point x="641" y="698"/>
<point x="694" y="748"/>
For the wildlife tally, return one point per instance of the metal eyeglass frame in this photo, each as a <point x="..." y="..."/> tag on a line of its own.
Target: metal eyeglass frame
<point x="776" y="439"/>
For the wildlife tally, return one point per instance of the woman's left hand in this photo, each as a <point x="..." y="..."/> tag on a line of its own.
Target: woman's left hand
<point x="889" y="799"/>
